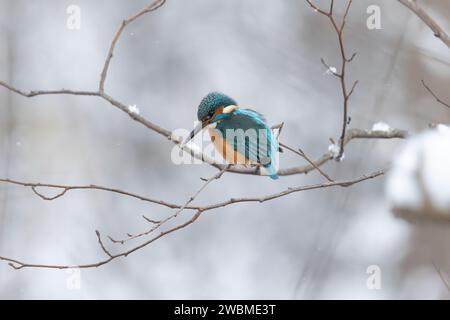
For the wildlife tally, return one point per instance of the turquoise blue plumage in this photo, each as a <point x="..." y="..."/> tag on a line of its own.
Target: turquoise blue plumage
<point x="243" y="130"/>
<point x="258" y="143"/>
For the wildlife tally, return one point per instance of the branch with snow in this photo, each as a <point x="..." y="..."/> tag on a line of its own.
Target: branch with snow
<point x="18" y="264"/>
<point x="42" y="189"/>
<point x="345" y="59"/>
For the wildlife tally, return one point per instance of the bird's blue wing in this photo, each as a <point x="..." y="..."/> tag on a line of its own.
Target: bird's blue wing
<point x="250" y="135"/>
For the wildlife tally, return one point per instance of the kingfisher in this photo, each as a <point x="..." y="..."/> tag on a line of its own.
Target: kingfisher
<point x="241" y="136"/>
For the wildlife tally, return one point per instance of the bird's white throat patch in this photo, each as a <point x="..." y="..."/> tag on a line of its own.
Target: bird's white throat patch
<point x="212" y="125"/>
<point x="229" y="109"/>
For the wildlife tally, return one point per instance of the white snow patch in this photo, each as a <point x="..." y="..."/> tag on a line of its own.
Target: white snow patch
<point x="133" y="109"/>
<point x="334" y="149"/>
<point x="419" y="181"/>
<point x="381" y="126"/>
<point x="331" y="70"/>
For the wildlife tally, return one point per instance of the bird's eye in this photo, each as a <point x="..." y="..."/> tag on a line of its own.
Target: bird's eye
<point x="210" y="114"/>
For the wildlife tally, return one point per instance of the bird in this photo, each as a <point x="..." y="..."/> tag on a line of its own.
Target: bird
<point x="240" y="135"/>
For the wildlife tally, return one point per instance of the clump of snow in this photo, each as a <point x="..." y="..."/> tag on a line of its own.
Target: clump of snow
<point x="334" y="149"/>
<point x="381" y="126"/>
<point x="331" y="70"/>
<point x="443" y="129"/>
<point x="133" y="109"/>
<point x="419" y="181"/>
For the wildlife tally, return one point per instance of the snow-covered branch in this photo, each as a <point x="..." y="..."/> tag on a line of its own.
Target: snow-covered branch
<point x="341" y="75"/>
<point x="42" y="189"/>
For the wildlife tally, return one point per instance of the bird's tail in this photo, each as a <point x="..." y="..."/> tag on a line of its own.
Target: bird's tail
<point x="271" y="169"/>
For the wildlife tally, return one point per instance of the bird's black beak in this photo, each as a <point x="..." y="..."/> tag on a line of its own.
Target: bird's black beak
<point x="196" y="130"/>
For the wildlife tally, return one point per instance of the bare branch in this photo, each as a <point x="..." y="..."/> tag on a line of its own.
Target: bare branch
<point x="442" y="276"/>
<point x="66" y="188"/>
<point x="339" y="29"/>
<point x="353" y="88"/>
<point x="434" y="95"/>
<point x="317" y="9"/>
<point x="149" y="220"/>
<point x="429" y="21"/>
<point x="17" y="264"/>
<point x="158" y="224"/>
<point x="100" y="242"/>
<point x="313" y="165"/>
<point x="351" y="134"/>
<point x="198" y="154"/>
<point x="43" y="197"/>
<point x="151" y="7"/>
<point x="303" y="155"/>
<point x="35" y="93"/>
<point x="330" y="69"/>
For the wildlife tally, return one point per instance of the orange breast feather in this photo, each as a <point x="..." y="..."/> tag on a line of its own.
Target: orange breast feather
<point x="226" y="150"/>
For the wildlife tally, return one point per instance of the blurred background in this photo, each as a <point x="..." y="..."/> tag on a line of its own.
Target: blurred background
<point x="265" y="54"/>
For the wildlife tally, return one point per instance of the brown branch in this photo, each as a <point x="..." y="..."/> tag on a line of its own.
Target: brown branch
<point x="100" y="242"/>
<point x="303" y="155"/>
<point x="429" y="21"/>
<point x="151" y="220"/>
<point x="313" y="165"/>
<point x="101" y="92"/>
<point x="442" y="276"/>
<point x="304" y="169"/>
<point x="198" y="154"/>
<point x="43" y="197"/>
<point x="66" y="188"/>
<point x="35" y="93"/>
<point x="350" y="135"/>
<point x="151" y="7"/>
<point x="158" y="224"/>
<point x="434" y="95"/>
<point x="347" y="136"/>
<point x="339" y="29"/>
<point x="296" y="189"/>
<point x="18" y="264"/>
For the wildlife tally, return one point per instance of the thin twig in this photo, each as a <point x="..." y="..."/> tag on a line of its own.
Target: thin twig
<point x="35" y="93"/>
<point x="313" y="165"/>
<point x="67" y="188"/>
<point x="339" y="29"/>
<point x="442" y="276"/>
<point x="303" y="155"/>
<point x="434" y="95"/>
<point x="158" y="224"/>
<point x="100" y="242"/>
<point x="151" y="220"/>
<point x="356" y="133"/>
<point x="428" y="20"/>
<point x="151" y="7"/>
<point x="18" y="264"/>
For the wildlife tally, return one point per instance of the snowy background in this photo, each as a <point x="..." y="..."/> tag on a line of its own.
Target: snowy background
<point x="265" y="54"/>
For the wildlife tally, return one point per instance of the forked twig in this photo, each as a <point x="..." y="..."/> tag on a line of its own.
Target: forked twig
<point x="339" y="29"/>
